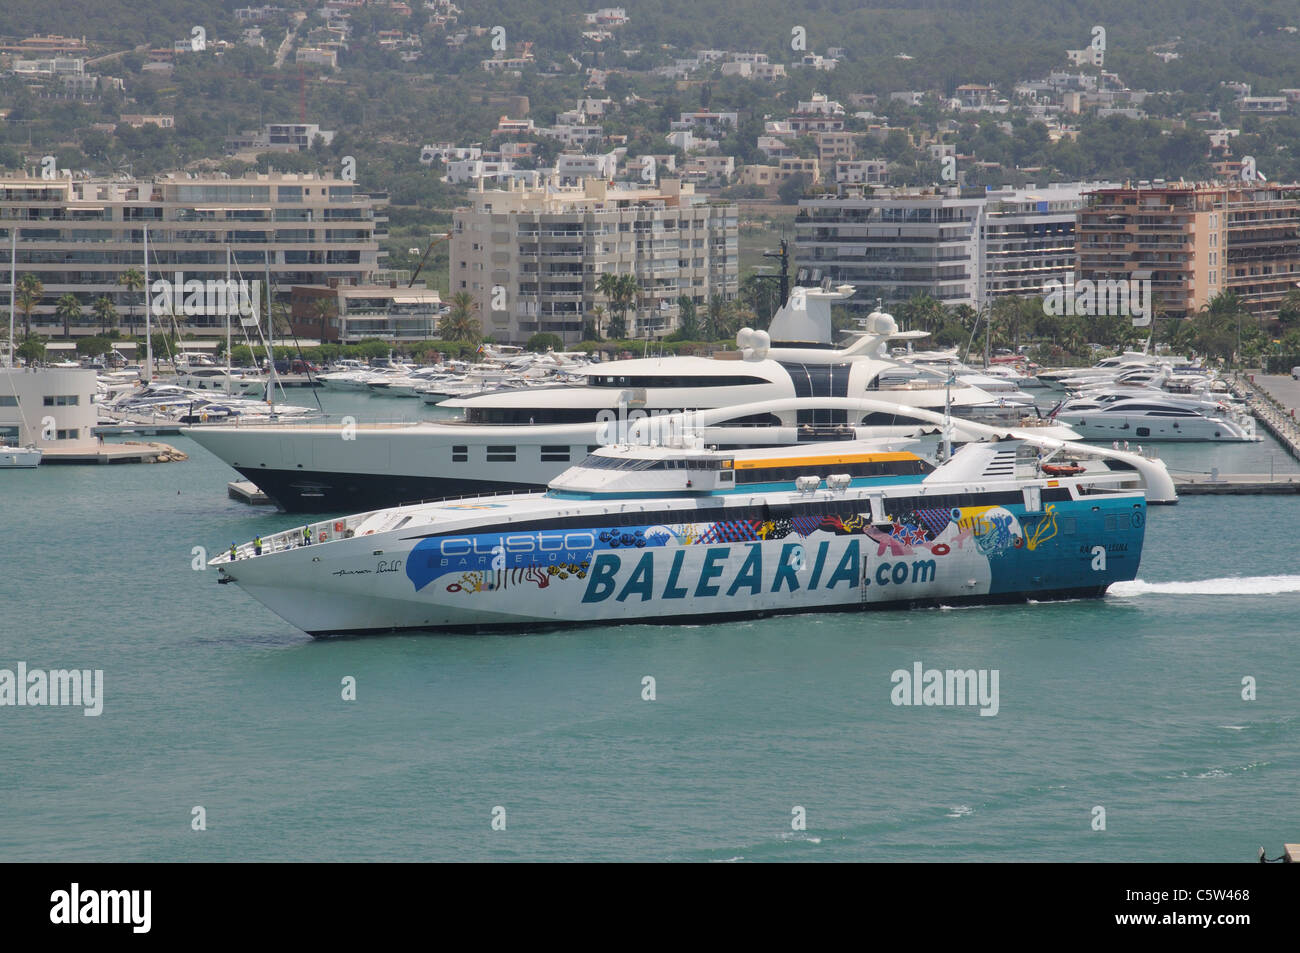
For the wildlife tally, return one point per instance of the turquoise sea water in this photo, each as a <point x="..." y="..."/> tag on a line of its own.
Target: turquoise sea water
<point x="1132" y="703"/>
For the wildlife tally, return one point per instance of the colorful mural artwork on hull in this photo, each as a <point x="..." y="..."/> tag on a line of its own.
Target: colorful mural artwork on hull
<point x="540" y="559"/>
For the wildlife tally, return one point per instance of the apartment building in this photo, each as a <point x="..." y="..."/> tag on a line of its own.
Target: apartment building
<point x="531" y="257"/>
<point x="1195" y="240"/>
<point x="279" y="137"/>
<point x="958" y="246"/>
<point x="350" y="314"/>
<point x="79" y="235"/>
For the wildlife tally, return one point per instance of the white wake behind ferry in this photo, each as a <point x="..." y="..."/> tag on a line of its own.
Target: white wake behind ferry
<point x="680" y="531"/>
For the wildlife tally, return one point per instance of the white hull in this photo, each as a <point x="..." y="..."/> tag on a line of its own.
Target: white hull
<point x="19" y="458"/>
<point x="1138" y="428"/>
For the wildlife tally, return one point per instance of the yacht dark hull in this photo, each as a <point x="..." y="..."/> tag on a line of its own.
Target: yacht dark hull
<point x="327" y="491"/>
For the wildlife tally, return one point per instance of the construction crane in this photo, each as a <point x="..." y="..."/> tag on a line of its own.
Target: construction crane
<point x="438" y="239"/>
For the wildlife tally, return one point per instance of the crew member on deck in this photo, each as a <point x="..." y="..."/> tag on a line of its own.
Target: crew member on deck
<point x="257" y="545"/>
<point x="306" y="535"/>
<point x="234" y="552"/>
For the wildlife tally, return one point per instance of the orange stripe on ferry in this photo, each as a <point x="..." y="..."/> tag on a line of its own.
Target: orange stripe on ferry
<point x="821" y="461"/>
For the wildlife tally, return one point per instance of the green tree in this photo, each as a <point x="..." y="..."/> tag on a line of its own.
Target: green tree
<point x="31" y="349"/>
<point x="68" y="308"/>
<point x="922" y="312"/>
<point x="621" y="292"/>
<point x="793" y="188"/>
<point x="597" y="321"/>
<point x="689" y="323"/>
<point x="544" y="341"/>
<point x="132" y="280"/>
<point x="106" y="313"/>
<point x="324" y="310"/>
<point x="715" y="325"/>
<point x="460" y="325"/>
<point x="30" y="293"/>
<point x="1216" y="327"/>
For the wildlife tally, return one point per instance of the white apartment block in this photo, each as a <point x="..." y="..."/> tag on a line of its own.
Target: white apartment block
<point x="710" y="171"/>
<point x="79" y="235"/>
<point x="572" y="169"/>
<point x="460" y="171"/>
<point x="960" y="248"/>
<point x="1088" y="56"/>
<point x="861" y="172"/>
<point x="531" y="257"/>
<point x="447" y="152"/>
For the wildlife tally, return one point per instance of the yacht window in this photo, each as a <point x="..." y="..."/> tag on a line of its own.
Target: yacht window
<point x="555" y="454"/>
<point x="500" y="454"/>
<point x="460" y="454"/>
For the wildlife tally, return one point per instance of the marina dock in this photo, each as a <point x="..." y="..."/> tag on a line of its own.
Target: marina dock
<point x="247" y="492"/>
<point x="1273" y="401"/>
<point x="162" y="427"/>
<point x="1236" y="484"/>
<point x="127" y="452"/>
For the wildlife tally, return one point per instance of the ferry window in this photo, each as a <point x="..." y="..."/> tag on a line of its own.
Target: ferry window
<point x="1068" y="526"/>
<point x="726" y="476"/>
<point x="555" y="454"/>
<point x="460" y="454"/>
<point x="500" y="454"/>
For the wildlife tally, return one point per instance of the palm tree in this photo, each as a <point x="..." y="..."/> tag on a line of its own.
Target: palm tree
<point x="106" y="313"/>
<point x="627" y="293"/>
<point x="69" y="309"/>
<point x="30" y="293"/>
<point x="461" y="325"/>
<point x="1217" y="325"/>
<point x="615" y="290"/>
<point x="715" y="326"/>
<point x="598" y="316"/>
<point x="689" y="325"/>
<point x="132" y="280"/>
<point x="326" y="309"/>
<point x="923" y="312"/>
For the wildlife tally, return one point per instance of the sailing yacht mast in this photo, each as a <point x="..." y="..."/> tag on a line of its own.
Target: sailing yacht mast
<point x="228" y="292"/>
<point x="13" y="285"/>
<point x="148" y="309"/>
<point x="270" y="337"/>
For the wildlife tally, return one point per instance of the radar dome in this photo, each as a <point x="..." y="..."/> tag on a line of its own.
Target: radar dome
<point x="881" y="322"/>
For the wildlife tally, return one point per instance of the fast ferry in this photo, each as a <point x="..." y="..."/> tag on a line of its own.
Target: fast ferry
<point x="521" y="438"/>
<point x="679" y="531"/>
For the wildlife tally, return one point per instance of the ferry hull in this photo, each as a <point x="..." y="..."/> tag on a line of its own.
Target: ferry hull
<point x="710" y="572"/>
